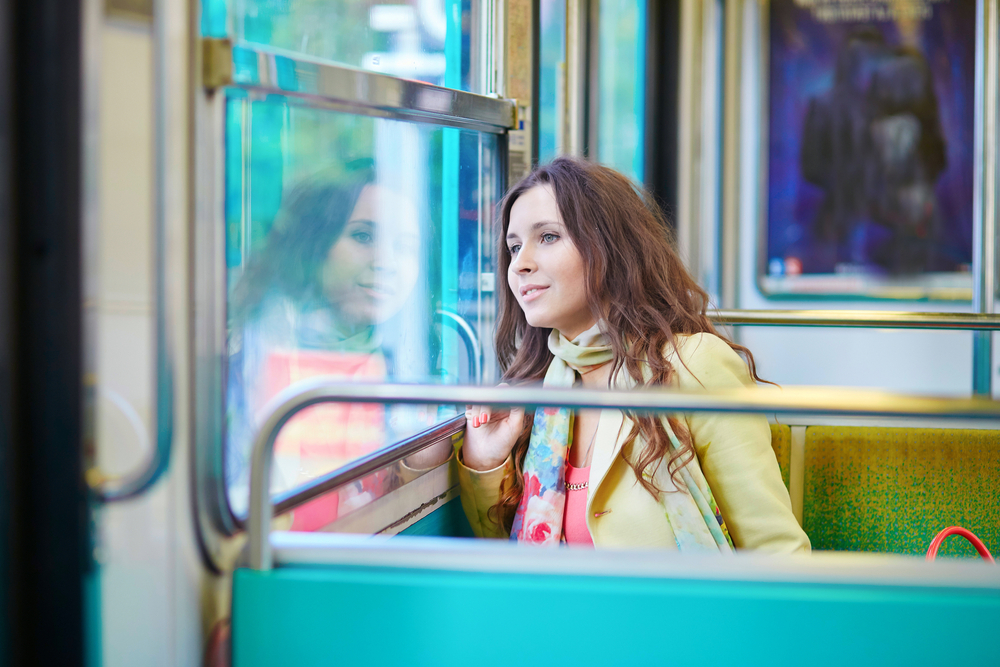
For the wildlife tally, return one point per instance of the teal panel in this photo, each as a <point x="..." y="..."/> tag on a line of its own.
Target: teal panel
<point x="446" y="521"/>
<point x="377" y="616"/>
<point x="213" y="18"/>
<point x="93" y="644"/>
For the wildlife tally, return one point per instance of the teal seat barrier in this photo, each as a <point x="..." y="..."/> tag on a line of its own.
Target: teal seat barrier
<point x="788" y="613"/>
<point x="322" y="598"/>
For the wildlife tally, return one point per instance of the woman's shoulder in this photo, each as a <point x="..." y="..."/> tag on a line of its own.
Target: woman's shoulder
<point x="706" y="360"/>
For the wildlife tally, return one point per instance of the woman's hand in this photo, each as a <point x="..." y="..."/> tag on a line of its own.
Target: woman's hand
<point x="490" y="435"/>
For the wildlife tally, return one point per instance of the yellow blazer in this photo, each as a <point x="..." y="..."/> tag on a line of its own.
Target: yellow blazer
<point x="735" y="455"/>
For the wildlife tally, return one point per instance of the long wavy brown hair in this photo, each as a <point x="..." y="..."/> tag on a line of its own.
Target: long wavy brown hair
<point x="635" y="282"/>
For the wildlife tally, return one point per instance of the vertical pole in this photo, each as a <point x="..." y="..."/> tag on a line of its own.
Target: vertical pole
<point x="985" y="198"/>
<point x="48" y="553"/>
<point x="728" y="271"/>
<point x="520" y="75"/>
<point x="688" y="115"/>
<point x="450" y="187"/>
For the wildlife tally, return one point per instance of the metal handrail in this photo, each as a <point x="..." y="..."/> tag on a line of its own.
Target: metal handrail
<point x="366" y="465"/>
<point x="813" y="401"/>
<point x="473" y="349"/>
<point x="881" y="319"/>
<point x="109" y="489"/>
<point x="291" y="74"/>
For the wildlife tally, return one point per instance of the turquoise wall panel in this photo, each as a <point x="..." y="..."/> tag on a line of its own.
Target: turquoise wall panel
<point x="446" y="521"/>
<point x="377" y="616"/>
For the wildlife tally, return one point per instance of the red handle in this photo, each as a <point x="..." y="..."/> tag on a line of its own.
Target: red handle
<point x="957" y="530"/>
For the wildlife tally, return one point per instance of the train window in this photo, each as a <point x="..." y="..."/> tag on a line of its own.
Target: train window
<point x="551" y="79"/>
<point x="434" y="41"/>
<point x="621" y="85"/>
<point x="356" y="247"/>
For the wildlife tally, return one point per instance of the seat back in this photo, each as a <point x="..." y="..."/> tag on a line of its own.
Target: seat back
<point x="893" y="489"/>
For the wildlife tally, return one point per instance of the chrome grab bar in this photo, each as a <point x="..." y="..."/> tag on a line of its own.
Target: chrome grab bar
<point x="362" y="467"/>
<point x="473" y="349"/>
<point x="812" y="401"/>
<point x="878" y="319"/>
<point x="107" y="489"/>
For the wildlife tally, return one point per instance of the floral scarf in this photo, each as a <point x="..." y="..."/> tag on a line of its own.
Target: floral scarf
<point x="691" y="512"/>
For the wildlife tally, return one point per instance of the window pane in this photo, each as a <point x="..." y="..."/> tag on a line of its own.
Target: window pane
<point x="437" y="41"/>
<point x="551" y="78"/>
<point x="356" y="247"/>
<point x="622" y="75"/>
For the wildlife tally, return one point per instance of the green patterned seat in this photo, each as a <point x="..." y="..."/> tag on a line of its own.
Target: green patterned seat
<point x="781" y="443"/>
<point x="893" y="489"/>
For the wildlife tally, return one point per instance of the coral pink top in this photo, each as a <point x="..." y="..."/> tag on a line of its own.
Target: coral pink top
<point x="575" y="517"/>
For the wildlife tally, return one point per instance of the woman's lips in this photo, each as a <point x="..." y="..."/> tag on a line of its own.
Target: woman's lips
<point x="532" y="293"/>
<point x="376" y="293"/>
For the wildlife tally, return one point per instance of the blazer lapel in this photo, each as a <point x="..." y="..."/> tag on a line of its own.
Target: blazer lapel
<point x="612" y="429"/>
<point x="609" y="441"/>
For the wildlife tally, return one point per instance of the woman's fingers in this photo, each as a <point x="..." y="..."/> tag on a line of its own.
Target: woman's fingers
<point x="480" y="415"/>
<point x="477" y="415"/>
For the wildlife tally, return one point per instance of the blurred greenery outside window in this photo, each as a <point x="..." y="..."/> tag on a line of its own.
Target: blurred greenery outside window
<point x="552" y="78"/>
<point x="426" y="40"/>
<point x="621" y="84"/>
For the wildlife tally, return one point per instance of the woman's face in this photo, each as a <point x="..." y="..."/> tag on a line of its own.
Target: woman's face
<point x="372" y="268"/>
<point x="547" y="273"/>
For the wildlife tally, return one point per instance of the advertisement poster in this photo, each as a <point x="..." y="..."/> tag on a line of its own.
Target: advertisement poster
<point x="870" y="148"/>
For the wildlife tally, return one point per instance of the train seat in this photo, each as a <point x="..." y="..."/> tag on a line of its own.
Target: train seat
<point x="781" y="443"/>
<point x="892" y="489"/>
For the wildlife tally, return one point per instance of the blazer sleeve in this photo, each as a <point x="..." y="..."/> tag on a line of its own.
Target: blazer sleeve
<point x="479" y="491"/>
<point x="735" y="453"/>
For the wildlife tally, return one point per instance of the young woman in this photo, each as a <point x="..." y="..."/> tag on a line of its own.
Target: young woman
<point x="597" y="297"/>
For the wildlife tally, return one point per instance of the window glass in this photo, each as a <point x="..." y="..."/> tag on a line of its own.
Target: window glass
<point x="428" y="40"/>
<point x="356" y="247"/>
<point x="621" y="84"/>
<point x="551" y="78"/>
<point x="387" y="497"/>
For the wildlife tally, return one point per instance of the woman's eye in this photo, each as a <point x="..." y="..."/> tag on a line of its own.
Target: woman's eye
<point x="514" y="248"/>
<point x="363" y="238"/>
<point x="549" y="238"/>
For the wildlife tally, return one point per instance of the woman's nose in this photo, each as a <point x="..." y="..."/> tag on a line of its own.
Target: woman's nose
<point x="523" y="262"/>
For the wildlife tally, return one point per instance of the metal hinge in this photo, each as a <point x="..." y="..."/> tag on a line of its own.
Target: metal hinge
<point x="217" y="63"/>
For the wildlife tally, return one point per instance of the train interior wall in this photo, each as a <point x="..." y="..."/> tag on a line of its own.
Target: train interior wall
<point x="151" y="574"/>
<point x="152" y="581"/>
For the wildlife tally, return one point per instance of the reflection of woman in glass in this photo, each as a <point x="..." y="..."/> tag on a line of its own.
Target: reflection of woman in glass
<point x="342" y="258"/>
<point x="597" y="297"/>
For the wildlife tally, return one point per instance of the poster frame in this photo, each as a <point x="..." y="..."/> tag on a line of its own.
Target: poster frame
<point x="949" y="287"/>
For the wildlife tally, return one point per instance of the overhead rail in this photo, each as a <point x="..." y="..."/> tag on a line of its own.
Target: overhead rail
<point x="812" y="401"/>
<point x="269" y="71"/>
<point x="879" y="319"/>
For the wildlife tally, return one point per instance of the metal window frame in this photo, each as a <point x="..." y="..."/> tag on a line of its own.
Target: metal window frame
<point x="360" y="91"/>
<point x="307" y="82"/>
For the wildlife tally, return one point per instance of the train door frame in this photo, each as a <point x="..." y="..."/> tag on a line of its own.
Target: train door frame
<point x="47" y="570"/>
